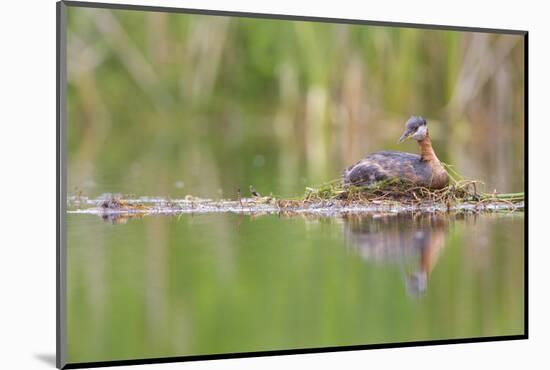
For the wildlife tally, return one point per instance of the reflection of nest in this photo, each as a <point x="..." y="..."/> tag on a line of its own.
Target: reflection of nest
<point x="411" y="241"/>
<point x="119" y="218"/>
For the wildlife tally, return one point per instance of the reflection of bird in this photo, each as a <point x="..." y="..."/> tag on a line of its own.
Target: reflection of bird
<point x="401" y="239"/>
<point x="119" y="219"/>
<point x="423" y="170"/>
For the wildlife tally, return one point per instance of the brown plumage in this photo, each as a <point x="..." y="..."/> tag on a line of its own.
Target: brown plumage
<point x="424" y="169"/>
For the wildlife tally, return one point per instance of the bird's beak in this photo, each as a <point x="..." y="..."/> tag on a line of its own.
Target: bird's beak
<point x="405" y="135"/>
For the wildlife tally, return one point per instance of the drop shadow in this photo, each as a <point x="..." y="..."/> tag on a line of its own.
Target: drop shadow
<point x="47" y="358"/>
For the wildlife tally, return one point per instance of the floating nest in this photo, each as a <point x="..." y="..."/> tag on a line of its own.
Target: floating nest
<point x="329" y="198"/>
<point x="459" y="190"/>
<point x="407" y="193"/>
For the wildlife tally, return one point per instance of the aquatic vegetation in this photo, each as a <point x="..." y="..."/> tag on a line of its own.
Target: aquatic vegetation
<point x="459" y="191"/>
<point x="331" y="198"/>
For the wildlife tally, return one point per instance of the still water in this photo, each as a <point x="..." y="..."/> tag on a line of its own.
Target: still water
<point x="162" y="286"/>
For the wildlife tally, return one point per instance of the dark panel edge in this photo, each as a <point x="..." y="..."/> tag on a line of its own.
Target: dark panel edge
<point x="526" y="182"/>
<point x="61" y="276"/>
<point x="290" y="352"/>
<point x="57" y="212"/>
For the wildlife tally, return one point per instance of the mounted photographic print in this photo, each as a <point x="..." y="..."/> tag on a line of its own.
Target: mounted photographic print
<point x="234" y="184"/>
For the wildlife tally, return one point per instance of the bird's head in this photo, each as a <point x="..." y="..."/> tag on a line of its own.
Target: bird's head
<point x="416" y="128"/>
<point x="417" y="284"/>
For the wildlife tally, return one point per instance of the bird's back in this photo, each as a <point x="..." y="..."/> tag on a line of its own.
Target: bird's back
<point x="389" y="164"/>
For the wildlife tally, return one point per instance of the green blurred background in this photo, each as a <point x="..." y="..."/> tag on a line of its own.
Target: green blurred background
<point x="172" y="104"/>
<point x="175" y="104"/>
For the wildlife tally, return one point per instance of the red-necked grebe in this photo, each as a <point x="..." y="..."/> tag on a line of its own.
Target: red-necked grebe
<point x="423" y="170"/>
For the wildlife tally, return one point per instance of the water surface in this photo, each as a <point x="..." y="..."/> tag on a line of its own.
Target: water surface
<point x="173" y="286"/>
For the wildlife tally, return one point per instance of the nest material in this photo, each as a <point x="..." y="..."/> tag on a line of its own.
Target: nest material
<point x="393" y="193"/>
<point x="408" y="193"/>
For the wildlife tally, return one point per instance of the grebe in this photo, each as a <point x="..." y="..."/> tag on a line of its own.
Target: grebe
<point x="423" y="170"/>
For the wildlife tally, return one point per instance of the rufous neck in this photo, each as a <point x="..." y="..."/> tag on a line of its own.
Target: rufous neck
<point x="426" y="150"/>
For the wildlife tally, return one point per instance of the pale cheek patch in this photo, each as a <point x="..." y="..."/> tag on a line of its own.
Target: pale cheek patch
<point x="420" y="133"/>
